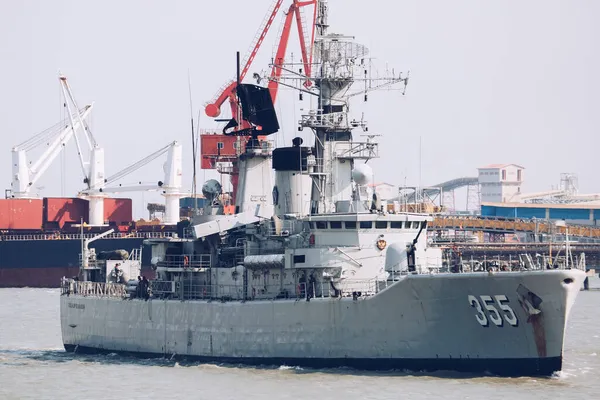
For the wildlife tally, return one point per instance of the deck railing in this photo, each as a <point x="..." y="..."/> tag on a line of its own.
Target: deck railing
<point x="93" y="289"/>
<point x="186" y="261"/>
<point x="185" y="289"/>
<point x="77" y="236"/>
<point x="189" y="290"/>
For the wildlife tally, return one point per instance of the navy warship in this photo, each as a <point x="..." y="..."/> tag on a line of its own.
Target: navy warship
<point x="313" y="270"/>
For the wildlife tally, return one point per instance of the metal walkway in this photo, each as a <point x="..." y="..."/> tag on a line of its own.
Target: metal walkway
<point x="447" y="186"/>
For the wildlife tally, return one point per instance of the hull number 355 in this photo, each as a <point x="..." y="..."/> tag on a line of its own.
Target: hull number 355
<point x="496" y="309"/>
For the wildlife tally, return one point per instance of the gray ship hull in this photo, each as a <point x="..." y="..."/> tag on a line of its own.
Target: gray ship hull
<point x="420" y="323"/>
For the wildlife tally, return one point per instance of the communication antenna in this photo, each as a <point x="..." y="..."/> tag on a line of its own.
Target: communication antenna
<point x="420" y="160"/>
<point x="194" y="145"/>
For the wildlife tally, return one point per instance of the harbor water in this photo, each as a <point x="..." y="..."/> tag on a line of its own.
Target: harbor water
<point x="33" y="365"/>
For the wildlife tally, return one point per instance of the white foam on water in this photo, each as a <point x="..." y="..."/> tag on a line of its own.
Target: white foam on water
<point x="560" y="375"/>
<point x="288" y="368"/>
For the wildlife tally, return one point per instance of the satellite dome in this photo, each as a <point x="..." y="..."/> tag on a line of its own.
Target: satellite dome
<point x="211" y="189"/>
<point x="362" y="174"/>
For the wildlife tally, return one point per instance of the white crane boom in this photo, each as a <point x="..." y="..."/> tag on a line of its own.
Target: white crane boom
<point x="56" y="138"/>
<point x="85" y="251"/>
<point x="171" y="186"/>
<point x="99" y="236"/>
<point x="74" y="125"/>
<point x="139" y="164"/>
<point x="68" y="93"/>
<point x="141" y="187"/>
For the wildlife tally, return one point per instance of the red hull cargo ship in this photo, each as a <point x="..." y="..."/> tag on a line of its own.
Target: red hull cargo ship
<point x="40" y="239"/>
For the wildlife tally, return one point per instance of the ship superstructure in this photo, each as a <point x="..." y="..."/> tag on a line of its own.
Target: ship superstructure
<point x="311" y="271"/>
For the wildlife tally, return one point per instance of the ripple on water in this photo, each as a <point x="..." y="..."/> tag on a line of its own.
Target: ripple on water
<point x="31" y="348"/>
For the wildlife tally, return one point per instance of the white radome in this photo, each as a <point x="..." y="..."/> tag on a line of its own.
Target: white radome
<point x="362" y="174"/>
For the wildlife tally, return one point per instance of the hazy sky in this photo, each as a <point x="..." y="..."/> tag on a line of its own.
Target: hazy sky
<point x="491" y="82"/>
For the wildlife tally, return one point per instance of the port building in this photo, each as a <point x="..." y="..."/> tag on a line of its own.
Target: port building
<point x="577" y="213"/>
<point x="500" y="182"/>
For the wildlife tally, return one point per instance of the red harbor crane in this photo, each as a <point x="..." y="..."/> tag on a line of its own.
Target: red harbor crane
<point x="225" y="148"/>
<point x="214" y="109"/>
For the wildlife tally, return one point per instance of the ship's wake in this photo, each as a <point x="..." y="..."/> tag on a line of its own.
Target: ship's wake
<point x="26" y="356"/>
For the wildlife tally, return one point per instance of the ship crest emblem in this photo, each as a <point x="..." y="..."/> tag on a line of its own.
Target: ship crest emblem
<point x="381" y="243"/>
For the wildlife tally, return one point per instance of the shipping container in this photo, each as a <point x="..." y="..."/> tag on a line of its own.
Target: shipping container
<point x="118" y="210"/>
<point x="21" y="214"/>
<point x="190" y="202"/>
<point x="65" y="209"/>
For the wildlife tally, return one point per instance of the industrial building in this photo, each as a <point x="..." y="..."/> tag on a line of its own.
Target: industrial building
<point x="578" y="213"/>
<point x="500" y="182"/>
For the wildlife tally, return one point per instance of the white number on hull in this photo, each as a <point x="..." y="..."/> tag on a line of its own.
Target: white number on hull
<point x="492" y="312"/>
<point x="481" y="318"/>
<point x="488" y="303"/>
<point x="510" y="315"/>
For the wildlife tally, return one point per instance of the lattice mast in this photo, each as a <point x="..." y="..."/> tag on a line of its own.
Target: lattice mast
<point x="337" y="64"/>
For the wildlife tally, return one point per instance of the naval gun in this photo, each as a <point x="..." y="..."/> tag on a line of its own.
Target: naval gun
<point x="400" y="257"/>
<point x="411" y="250"/>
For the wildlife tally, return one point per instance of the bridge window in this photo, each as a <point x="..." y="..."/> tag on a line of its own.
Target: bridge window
<point x="396" y="224"/>
<point x="300" y="259"/>
<point x="321" y="225"/>
<point x="366" y="224"/>
<point x="381" y="225"/>
<point x="350" y="224"/>
<point x="335" y="224"/>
